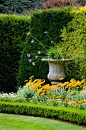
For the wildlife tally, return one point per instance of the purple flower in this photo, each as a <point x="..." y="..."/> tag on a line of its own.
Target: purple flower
<point x="29" y="60"/>
<point x="45" y="32"/>
<point x="28" y="55"/>
<point x="32" y="40"/>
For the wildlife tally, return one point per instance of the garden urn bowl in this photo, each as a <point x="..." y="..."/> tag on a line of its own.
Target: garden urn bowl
<point x="56" y="69"/>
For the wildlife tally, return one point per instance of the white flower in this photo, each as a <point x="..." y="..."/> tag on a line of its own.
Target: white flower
<point x="28" y="33"/>
<point x="39" y="52"/>
<point x="36" y="56"/>
<point x="33" y="63"/>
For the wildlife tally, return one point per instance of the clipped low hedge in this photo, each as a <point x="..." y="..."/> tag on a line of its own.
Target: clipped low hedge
<point x="63" y="113"/>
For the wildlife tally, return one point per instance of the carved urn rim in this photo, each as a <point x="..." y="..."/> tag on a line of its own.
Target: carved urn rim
<point x="57" y="60"/>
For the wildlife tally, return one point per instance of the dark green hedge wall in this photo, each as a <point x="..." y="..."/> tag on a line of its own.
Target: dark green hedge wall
<point x="13" y="30"/>
<point x="51" y="20"/>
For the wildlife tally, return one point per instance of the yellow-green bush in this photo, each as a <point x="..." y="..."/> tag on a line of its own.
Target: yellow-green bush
<point x="74" y="45"/>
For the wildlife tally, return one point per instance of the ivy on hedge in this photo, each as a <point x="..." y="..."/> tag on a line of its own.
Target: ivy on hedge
<point x="13" y="30"/>
<point x="63" y="113"/>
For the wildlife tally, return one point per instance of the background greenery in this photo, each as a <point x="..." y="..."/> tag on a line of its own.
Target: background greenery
<point x="24" y="6"/>
<point x="19" y="6"/>
<point x="51" y="20"/>
<point x="13" y="30"/>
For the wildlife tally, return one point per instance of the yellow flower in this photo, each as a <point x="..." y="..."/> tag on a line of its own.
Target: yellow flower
<point x="68" y="90"/>
<point x="82" y="77"/>
<point x="60" y="84"/>
<point x="37" y="92"/>
<point x="61" y="78"/>
<point x="25" y="80"/>
<point x="71" y="80"/>
<point x="77" y="87"/>
<point x="84" y="86"/>
<point x="52" y="86"/>
<point x="31" y="77"/>
<point x="68" y="100"/>
<point x="65" y="83"/>
<point x="73" y="91"/>
<point x="82" y="81"/>
<point x="58" y="97"/>
<point x="42" y="93"/>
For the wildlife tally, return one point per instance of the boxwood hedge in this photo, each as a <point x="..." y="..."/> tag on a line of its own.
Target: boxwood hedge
<point x="63" y="113"/>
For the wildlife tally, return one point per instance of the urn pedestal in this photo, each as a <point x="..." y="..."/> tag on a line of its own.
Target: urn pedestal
<point x="56" y="69"/>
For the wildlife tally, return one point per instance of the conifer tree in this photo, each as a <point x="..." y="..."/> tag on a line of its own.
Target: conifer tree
<point x="19" y="6"/>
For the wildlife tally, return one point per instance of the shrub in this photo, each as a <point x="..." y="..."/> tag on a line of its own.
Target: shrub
<point x="51" y="20"/>
<point x="19" y="6"/>
<point x="13" y="30"/>
<point x="67" y="114"/>
<point x="58" y="3"/>
<point x="74" y="46"/>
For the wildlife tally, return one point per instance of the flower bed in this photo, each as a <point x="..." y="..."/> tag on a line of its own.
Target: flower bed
<point x="69" y="94"/>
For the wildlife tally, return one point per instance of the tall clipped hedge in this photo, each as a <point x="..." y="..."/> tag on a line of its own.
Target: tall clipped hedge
<point x="13" y="30"/>
<point x="74" y="45"/>
<point x="51" y="20"/>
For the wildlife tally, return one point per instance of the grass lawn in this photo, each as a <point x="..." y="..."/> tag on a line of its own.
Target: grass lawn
<point x="20" y="122"/>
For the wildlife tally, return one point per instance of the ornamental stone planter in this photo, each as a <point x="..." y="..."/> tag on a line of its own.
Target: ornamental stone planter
<point x="56" y="69"/>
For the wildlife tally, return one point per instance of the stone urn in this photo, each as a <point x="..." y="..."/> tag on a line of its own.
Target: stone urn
<point x="56" y="69"/>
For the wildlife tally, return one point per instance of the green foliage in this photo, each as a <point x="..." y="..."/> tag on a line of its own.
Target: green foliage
<point x="13" y="30"/>
<point x="26" y="92"/>
<point x="51" y="20"/>
<point x="74" y="46"/>
<point x="83" y="2"/>
<point x="67" y="114"/>
<point x="55" y="53"/>
<point x="19" y="6"/>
